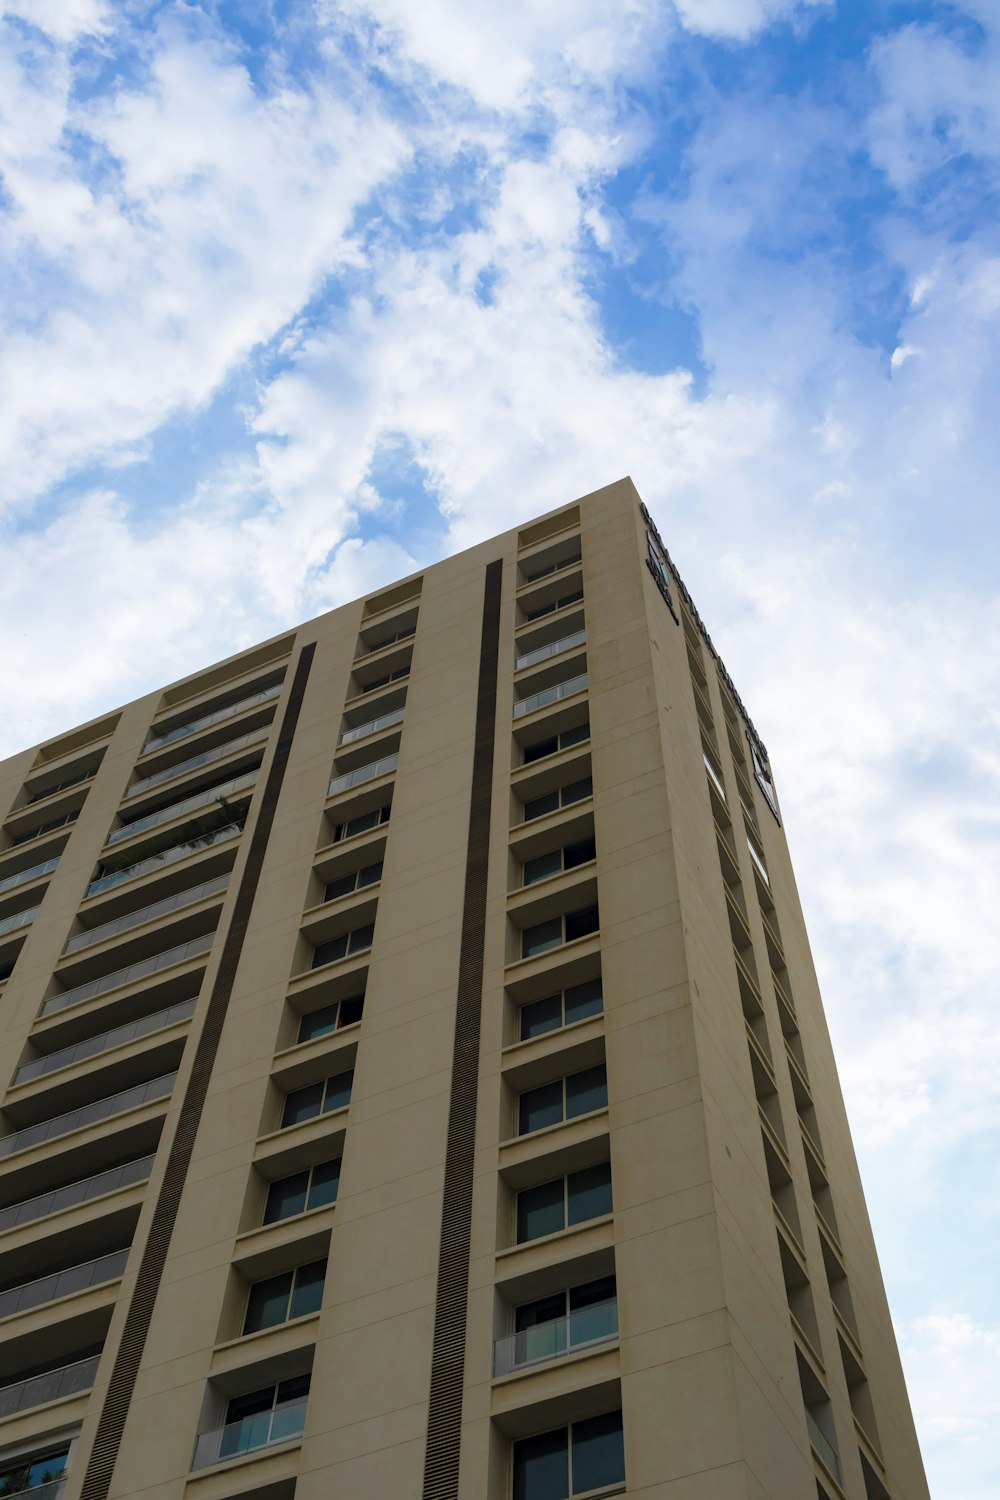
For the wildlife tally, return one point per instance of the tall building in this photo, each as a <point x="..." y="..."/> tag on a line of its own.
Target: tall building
<point x="416" y="1084"/>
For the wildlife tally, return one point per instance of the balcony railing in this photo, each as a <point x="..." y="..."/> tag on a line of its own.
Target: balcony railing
<point x="193" y="725"/>
<point x="715" y="775"/>
<point x="582" y="1329"/>
<point x="279" y="1425"/>
<point x="93" y="1046"/>
<point x="18" y="919"/>
<point x="70" y="1380"/>
<point x="200" y="892"/>
<point x="87" y="1114"/>
<point x="63" y="1283"/>
<point x="821" y="1443"/>
<point x="166" y="856"/>
<point x="74" y="1193"/>
<point x="143" y="966"/>
<point x="371" y="726"/>
<point x="550" y="695"/>
<point x="218" y="752"/>
<point x="554" y="648"/>
<point x="364" y="773"/>
<point x="189" y="804"/>
<point x="33" y="872"/>
<point x="52" y="1489"/>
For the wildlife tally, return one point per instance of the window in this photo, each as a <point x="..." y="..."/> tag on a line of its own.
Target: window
<point x="331" y="1018"/>
<point x="577" y="1094"/>
<point x="548" y="609"/>
<point x="559" y="860"/>
<point x="317" y="1099"/>
<point x="293" y="1294"/>
<point x="40" y="828"/>
<point x="558" y="930"/>
<point x="363" y="823"/>
<point x="381" y="682"/>
<point x="317" y="1187"/>
<point x="563" y="796"/>
<point x="580" y="1315"/>
<point x="358" y="941"/>
<point x="574" y="1199"/>
<point x="356" y="881"/>
<point x="555" y="742"/>
<point x="581" y="1459"/>
<point x="261" y="1418"/>
<point x="531" y="573"/>
<point x="556" y="1011"/>
<point x="32" y="1471"/>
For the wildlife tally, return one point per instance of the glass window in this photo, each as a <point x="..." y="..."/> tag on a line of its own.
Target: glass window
<point x="577" y="1460"/>
<point x="542" y="867"/>
<point x="541" y="748"/>
<point x="317" y="1098"/>
<point x="537" y="1108"/>
<point x="541" y="1016"/>
<point x="314" y="1188"/>
<point x="537" y="807"/>
<point x="541" y="1467"/>
<point x="583" y="1000"/>
<point x="581" y="923"/>
<point x="593" y="1310"/>
<point x="293" y="1294"/>
<point x="338" y="1092"/>
<point x="331" y="1018"/>
<point x="575" y="736"/>
<point x="597" y="1453"/>
<point x="588" y="1193"/>
<point x="579" y="854"/>
<point x="577" y="790"/>
<point x="574" y="1004"/>
<point x="542" y="937"/>
<point x="28" y="1473"/>
<point x="541" y="1210"/>
<point x="341" y="887"/>
<point x="586" y="1091"/>
<point x="307" y="1293"/>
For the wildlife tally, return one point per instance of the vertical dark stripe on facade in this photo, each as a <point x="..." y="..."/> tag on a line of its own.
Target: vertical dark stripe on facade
<point x="104" y="1454"/>
<point x="444" y="1418"/>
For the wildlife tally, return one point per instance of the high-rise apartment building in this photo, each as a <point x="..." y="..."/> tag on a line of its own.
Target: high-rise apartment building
<point x="415" y="1081"/>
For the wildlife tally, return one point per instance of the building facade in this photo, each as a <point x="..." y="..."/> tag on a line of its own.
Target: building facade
<point x="415" y="1080"/>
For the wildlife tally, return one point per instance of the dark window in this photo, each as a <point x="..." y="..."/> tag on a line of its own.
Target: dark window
<point x="575" y="1460"/>
<point x="281" y="1298"/>
<point x="537" y="807"/>
<point x="331" y="1018"/>
<point x="558" y="860"/>
<point x="31" y="1471"/>
<point x="564" y="1099"/>
<point x="363" y="823"/>
<point x="314" y="1188"/>
<point x="267" y="1416"/>
<point x="556" y="742"/>
<point x="358" y="941"/>
<point x="317" y="1099"/>
<point x="356" y="881"/>
<point x="558" y="930"/>
<point x="548" y="1208"/>
<point x="579" y="1315"/>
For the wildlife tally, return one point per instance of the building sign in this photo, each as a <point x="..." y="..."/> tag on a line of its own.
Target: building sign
<point x="659" y="561"/>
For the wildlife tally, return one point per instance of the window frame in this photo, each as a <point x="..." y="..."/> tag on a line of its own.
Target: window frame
<point x="560" y="995"/>
<point x="616" y="1486"/>
<point x="563" y="1083"/>
<point x="308" y="1172"/>
<point x="293" y="1276"/>
<point x="323" y="1110"/>
<point x="567" y="1224"/>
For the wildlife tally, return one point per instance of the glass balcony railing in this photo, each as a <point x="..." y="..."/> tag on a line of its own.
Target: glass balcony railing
<point x="52" y="1386"/>
<point x="163" y="857"/>
<point x="821" y="1443"/>
<point x="87" y="1114"/>
<point x="589" y="1325"/>
<point x="53" y="1489"/>
<point x="148" y="913"/>
<point x="364" y="773"/>
<point x="62" y="1283"/>
<point x="554" y="648"/>
<point x="715" y="776"/>
<point x="279" y="1425"/>
<point x="218" y="752"/>
<point x="550" y="695"/>
<point x="18" y="919"/>
<point x="33" y="872"/>
<point x="190" y="804"/>
<point x="371" y="726"/>
<point x="157" y="741"/>
<point x="93" y="1046"/>
<point x="74" y="1193"/>
<point x="139" y="970"/>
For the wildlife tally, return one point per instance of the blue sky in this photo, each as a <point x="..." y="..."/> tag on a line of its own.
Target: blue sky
<point x="298" y="296"/>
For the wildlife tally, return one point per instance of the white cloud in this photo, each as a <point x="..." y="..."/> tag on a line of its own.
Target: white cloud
<point x="63" y="20"/>
<point x="953" y="1365"/>
<point x="738" y="19"/>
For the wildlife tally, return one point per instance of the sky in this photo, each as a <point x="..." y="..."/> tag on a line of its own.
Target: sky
<point x="297" y="296"/>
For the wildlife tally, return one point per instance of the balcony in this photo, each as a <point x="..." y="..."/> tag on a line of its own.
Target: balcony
<point x="823" y="1448"/>
<point x="550" y="695"/>
<point x="53" y="1385"/>
<point x="181" y="767"/>
<point x="63" y="1283"/>
<point x="33" y="872"/>
<point x="53" y="1489"/>
<point x="140" y="970"/>
<point x="148" y="913"/>
<point x="74" y="1193"/>
<point x="87" y="1114"/>
<point x="582" y="1329"/>
<point x="230" y="711"/>
<point x="371" y="726"/>
<point x="268" y="1428"/>
<point x="406" y="634"/>
<point x="168" y="856"/>
<point x="546" y="571"/>
<point x="362" y="774"/>
<point x="211" y="794"/>
<point x="554" y="648"/>
<point x="93" y="1046"/>
<point x="17" y="920"/>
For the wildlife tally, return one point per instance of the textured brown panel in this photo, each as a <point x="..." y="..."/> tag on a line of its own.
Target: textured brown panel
<point x="444" y="1418"/>
<point x="97" y="1479"/>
